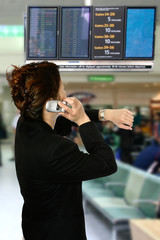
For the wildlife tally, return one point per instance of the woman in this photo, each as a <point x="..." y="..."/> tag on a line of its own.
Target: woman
<point x="50" y="168"/>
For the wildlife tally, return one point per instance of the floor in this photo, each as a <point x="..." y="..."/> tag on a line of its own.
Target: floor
<point x="97" y="227"/>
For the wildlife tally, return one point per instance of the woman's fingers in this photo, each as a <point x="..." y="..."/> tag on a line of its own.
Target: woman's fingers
<point x="123" y="118"/>
<point x="123" y="126"/>
<point x="126" y="117"/>
<point x="129" y="115"/>
<point x="71" y="100"/>
<point x="127" y="120"/>
<point x="129" y="123"/>
<point x="75" y="111"/>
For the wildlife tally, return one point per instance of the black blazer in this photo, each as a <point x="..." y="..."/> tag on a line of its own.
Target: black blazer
<point x="50" y="170"/>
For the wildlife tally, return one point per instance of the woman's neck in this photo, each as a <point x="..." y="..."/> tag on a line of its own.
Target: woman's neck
<point x="49" y="118"/>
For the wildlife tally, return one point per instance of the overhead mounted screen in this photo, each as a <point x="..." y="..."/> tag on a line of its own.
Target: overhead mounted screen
<point x="75" y="30"/>
<point x="140" y="27"/>
<point x="92" y="38"/>
<point x="107" y="33"/>
<point x="42" y="32"/>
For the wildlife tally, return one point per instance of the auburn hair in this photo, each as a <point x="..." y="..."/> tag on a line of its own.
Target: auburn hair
<point x="32" y="85"/>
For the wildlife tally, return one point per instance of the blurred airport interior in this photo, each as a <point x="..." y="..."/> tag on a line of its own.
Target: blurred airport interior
<point x="117" y="207"/>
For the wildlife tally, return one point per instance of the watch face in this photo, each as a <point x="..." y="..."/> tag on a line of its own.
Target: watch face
<point x="102" y="114"/>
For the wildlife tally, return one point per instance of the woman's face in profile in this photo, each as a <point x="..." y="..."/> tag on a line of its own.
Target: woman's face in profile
<point x="61" y="92"/>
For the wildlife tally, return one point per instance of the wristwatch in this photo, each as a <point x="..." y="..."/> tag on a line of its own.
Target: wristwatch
<point x="102" y="114"/>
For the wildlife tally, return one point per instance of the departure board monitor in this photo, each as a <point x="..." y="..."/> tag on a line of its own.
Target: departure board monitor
<point x="42" y="32"/>
<point x="75" y="32"/>
<point x="107" y="33"/>
<point x="92" y="38"/>
<point x="140" y="27"/>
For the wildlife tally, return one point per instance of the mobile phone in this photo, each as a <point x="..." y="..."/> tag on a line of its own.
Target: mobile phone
<point x="52" y="106"/>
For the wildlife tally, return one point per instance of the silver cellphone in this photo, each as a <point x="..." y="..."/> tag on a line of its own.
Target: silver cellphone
<point x="52" y="106"/>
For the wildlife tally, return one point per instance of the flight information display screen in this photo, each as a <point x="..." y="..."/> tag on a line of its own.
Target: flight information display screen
<point x="107" y="33"/>
<point x="140" y="26"/>
<point x="42" y="32"/>
<point x="92" y="33"/>
<point x="75" y="30"/>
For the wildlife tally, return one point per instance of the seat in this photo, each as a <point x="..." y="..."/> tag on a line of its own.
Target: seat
<point x="150" y="194"/>
<point x="117" y="181"/>
<point x="121" y="209"/>
<point x="117" y="209"/>
<point x="112" y="185"/>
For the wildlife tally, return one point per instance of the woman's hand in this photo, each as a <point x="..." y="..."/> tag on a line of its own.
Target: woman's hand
<point x="122" y="118"/>
<point x="76" y="113"/>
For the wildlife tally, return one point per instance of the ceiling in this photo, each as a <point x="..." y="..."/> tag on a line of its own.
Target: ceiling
<point x="12" y="11"/>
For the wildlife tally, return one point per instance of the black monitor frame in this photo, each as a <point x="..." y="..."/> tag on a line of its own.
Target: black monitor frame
<point x="90" y="64"/>
<point x="125" y="33"/>
<point x="28" y="32"/>
<point x="60" y="33"/>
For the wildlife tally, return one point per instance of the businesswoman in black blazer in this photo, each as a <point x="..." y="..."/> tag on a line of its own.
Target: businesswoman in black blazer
<point x="50" y="168"/>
